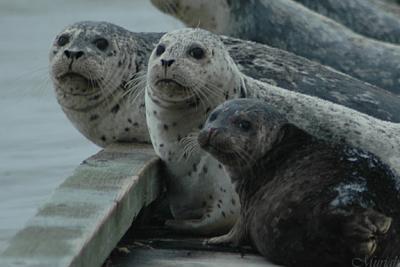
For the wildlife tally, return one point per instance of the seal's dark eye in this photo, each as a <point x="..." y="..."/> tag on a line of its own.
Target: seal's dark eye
<point x="213" y="117"/>
<point x="160" y="50"/>
<point x="197" y="53"/>
<point x="63" y="40"/>
<point x="245" y="125"/>
<point x="101" y="44"/>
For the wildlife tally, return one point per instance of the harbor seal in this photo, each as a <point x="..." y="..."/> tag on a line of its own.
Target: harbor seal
<point x="290" y="26"/>
<point x="92" y="65"/>
<point x="366" y="17"/>
<point x="305" y="202"/>
<point x="92" y="116"/>
<point x="190" y="72"/>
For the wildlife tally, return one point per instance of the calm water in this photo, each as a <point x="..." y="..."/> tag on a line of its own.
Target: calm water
<point x="39" y="148"/>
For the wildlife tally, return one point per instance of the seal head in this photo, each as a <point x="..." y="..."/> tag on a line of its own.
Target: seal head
<point x="241" y="132"/>
<point x="191" y="67"/>
<point x="83" y="61"/>
<point x="91" y="66"/>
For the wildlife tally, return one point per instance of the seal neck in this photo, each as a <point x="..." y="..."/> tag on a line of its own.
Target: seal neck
<point x="249" y="180"/>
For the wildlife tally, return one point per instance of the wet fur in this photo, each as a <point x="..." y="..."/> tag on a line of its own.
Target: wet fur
<point x="304" y="201"/>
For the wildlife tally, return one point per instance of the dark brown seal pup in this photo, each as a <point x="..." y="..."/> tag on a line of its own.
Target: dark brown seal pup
<point x="304" y="202"/>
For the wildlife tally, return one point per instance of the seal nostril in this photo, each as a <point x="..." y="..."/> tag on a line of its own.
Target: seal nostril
<point x="78" y="54"/>
<point x="73" y="54"/>
<point x="167" y="63"/>
<point x="170" y="62"/>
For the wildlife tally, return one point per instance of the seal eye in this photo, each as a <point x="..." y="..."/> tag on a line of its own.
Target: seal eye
<point x="101" y="44"/>
<point x="245" y="125"/>
<point x="160" y="50"/>
<point x="213" y="117"/>
<point x="197" y="53"/>
<point x="63" y="40"/>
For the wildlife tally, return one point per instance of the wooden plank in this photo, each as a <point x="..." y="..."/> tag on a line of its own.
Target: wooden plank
<point x="188" y="258"/>
<point x="186" y="254"/>
<point x="90" y="212"/>
<point x="147" y="244"/>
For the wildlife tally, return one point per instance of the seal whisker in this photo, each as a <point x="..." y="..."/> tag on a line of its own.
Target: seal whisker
<point x="136" y="86"/>
<point x="112" y="82"/>
<point x="135" y="95"/>
<point x="243" y="157"/>
<point x="42" y="85"/>
<point x="202" y="95"/>
<point x="207" y="89"/>
<point x="39" y="77"/>
<point x="190" y="144"/>
<point x="91" y="83"/>
<point x="211" y="85"/>
<point x="201" y="88"/>
<point x="136" y="79"/>
<point x="194" y="90"/>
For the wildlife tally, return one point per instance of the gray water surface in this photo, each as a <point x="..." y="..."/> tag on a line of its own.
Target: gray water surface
<point x="39" y="147"/>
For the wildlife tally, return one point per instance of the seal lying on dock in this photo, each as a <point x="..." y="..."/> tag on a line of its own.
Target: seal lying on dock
<point x="304" y="202"/>
<point x="365" y="17"/>
<point x="97" y="67"/>
<point x="290" y="26"/>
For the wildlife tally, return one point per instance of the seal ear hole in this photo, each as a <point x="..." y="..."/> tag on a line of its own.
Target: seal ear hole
<point x="197" y="52"/>
<point x="160" y="50"/>
<point x="63" y="40"/>
<point x="101" y="43"/>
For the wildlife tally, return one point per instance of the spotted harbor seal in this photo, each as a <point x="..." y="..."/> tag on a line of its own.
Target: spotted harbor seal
<point x="288" y="25"/>
<point x="190" y="73"/>
<point x="305" y="202"/>
<point x="92" y="65"/>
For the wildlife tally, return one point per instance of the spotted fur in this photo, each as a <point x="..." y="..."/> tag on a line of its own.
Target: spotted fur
<point x="181" y="91"/>
<point x="92" y="81"/>
<point x="305" y="202"/>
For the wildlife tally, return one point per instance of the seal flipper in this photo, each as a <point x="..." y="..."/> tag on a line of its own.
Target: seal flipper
<point x="363" y="230"/>
<point x="235" y="237"/>
<point x="209" y="224"/>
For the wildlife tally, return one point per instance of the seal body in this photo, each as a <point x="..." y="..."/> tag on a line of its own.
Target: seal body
<point x="93" y="66"/>
<point x="189" y="74"/>
<point x="305" y="202"/>
<point x="290" y="26"/>
<point x="368" y="18"/>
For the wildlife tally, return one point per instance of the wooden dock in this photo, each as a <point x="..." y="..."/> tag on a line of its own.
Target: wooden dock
<point x="86" y="221"/>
